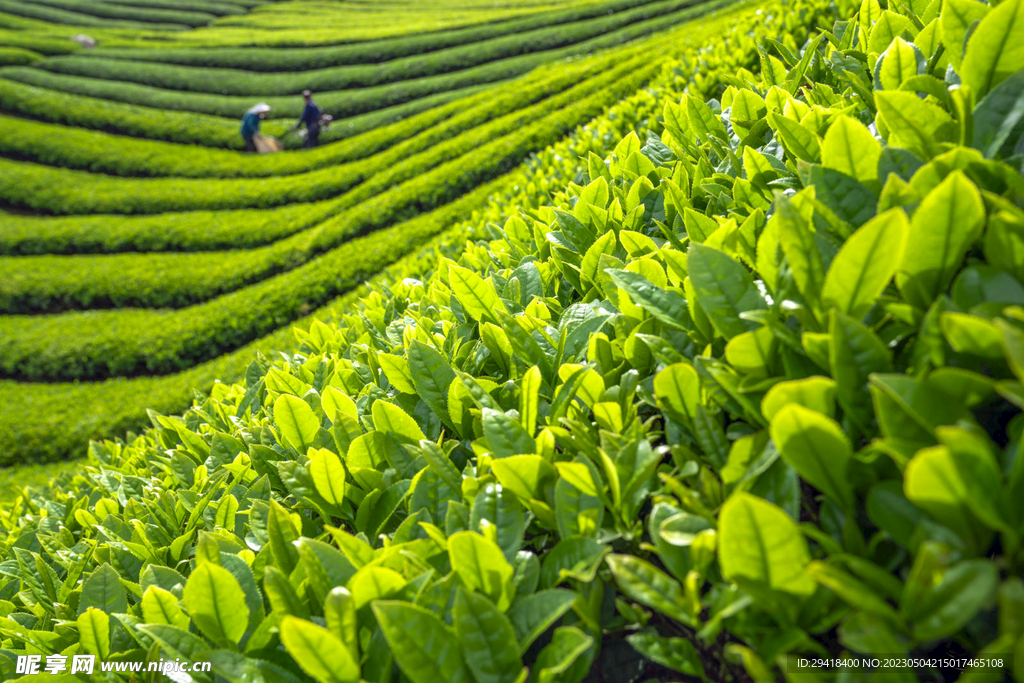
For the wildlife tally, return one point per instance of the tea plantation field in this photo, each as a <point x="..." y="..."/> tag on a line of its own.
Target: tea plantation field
<point x="696" y="358"/>
<point x="144" y="255"/>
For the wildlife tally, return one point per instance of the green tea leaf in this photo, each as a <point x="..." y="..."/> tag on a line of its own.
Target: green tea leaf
<point x="945" y="608"/>
<point x="799" y="142"/>
<point x="725" y="289"/>
<point x="942" y="229"/>
<point x="759" y="542"/>
<point x="103" y="590"/>
<point x="997" y="114"/>
<point x="855" y="353"/>
<point x="396" y="368"/>
<point x="328" y="475"/>
<point x="533" y="614"/>
<point x="482" y="566"/>
<point x="849" y="147"/>
<point x="476" y="294"/>
<point x="319" y="652"/>
<point x="524" y="475"/>
<point x="678" y="654"/>
<point x="648" y="585"/>
<point x="996" y="48"/>
<point x="566" y="647"/>
<point x="865" y="264"/>
<point x="955" y="20"/>
<point x="677" y="389"/>
<point x="529" y="399"/>
<point x="817" y="448"/>
<point x="913" y="123"/>
<point x="899" y="63"/>
<point x="397" y="423"/>
<point x="94" y="632"/>
<point x="216" y="604"/>
<point x="815" y="393"/>
<point x="432" y="376"/>
<point x="335" y="401"/>
<point x="423" y="646"/>
<point x="161" y="607"/>
<point x="340" y="615"/>
<point x="498" y="507"/>
<point x="665" y="305"/>
<point x="487" y="638"/>
<point x="505" y="435"/>
<point x="297" y="422"/>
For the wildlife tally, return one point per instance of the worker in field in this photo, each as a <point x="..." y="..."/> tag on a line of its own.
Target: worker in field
<point x="251" y="125"/>
<point x="311" y="119"/>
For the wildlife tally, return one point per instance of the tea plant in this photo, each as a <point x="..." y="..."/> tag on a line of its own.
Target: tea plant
<point x="750" y="389"/>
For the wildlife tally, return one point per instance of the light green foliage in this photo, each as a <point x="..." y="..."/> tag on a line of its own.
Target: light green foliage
<point x="790" y="385"/>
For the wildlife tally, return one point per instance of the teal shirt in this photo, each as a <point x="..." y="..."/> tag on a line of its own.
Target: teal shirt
<point x="250" y="125"/>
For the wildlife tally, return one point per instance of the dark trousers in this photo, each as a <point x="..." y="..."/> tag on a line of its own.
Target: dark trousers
<point x="250" y="145"/>
<point x="312" y="136"/>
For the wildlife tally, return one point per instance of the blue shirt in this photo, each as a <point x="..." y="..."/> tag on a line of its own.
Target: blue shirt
<point x="311" y="114"/>
<point x="250" y="125"/>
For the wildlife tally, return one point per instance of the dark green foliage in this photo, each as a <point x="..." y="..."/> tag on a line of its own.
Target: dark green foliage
<point x="341" y="103"/>
<point x="748" y="391"/>
<point x="319" y="79"/>
<point x="60" y="191"/>
<point x="365" y="52"/>
<point x="168" y="341"/>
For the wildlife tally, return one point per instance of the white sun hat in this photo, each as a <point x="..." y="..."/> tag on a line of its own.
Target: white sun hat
<point x="260" y="108"/>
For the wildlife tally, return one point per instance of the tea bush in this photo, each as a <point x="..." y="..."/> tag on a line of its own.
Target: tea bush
<point x="148" y="280"/>
<point x="34" y="43"/>
<point x="186" y="128"/>
<point x="58" y="15"/>
<point x="271" y="58"/>
<point x="47" y="421"/>
<point x="96" y="151"/>
<point x="17" y="56"/>
<point x="144" y="14"/>
<point x="341" y="103"/>
<point x="751" y="389"/>
<point x="123" y="119"/>
<point x="94" y="345"/>
<point x="321" y="79"/>
<point x="64" y="191"/>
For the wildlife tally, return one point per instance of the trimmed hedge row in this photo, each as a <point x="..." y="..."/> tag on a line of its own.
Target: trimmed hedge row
<point x="164" y="232"/>
<point x="218" y="8"/>
<point x="96" y="345"/>
<point x="123" y="119"/>
<point x="63" y="16"/>
<point x="110" y="11"/>
<point x="45" y="422"/>
<point x="54" y="421"/>
<point x="154" y="342"/>
<point x="337" y="103"/>
<point x="187" y="128"/>
<point x="371" y="52"/>
<point x="795" y="435"/>
<point x="288" y="26"/>
<point x="103" y="153"/>
<point x="74" y="192"/>
<point x="262" y="85"/>
<point x="49" y="284"/>
<point x="17" y="56"/>
<point x="44" y="45"/>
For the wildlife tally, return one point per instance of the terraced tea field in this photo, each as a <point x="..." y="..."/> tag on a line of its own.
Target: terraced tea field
<point x="145" y="254"/>
<point x="599" y="341"/>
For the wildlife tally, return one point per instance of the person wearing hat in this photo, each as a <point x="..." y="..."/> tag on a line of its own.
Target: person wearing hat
<point x="251" y="124"/>
<point x="311" y="118"/>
